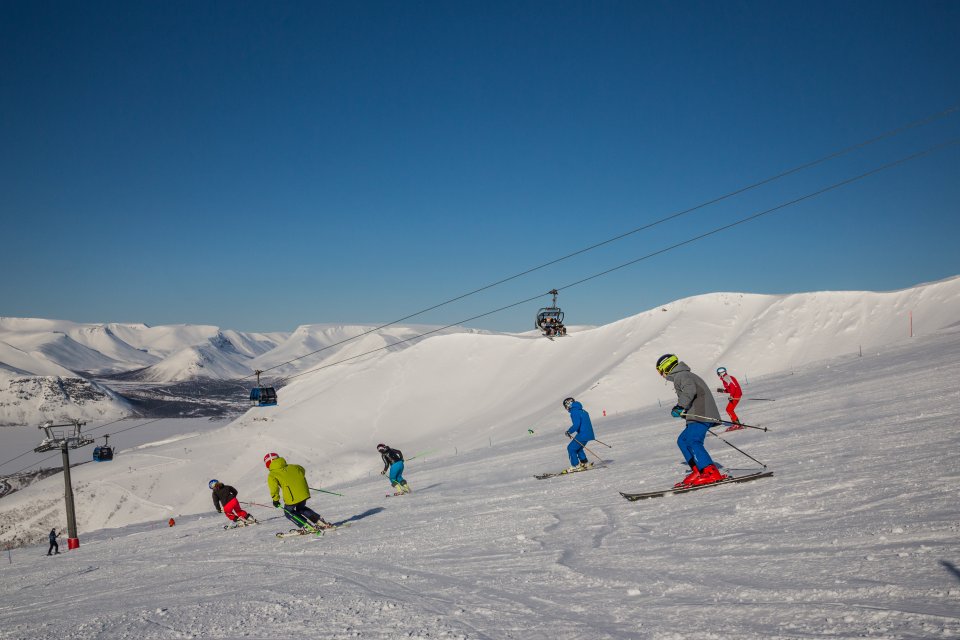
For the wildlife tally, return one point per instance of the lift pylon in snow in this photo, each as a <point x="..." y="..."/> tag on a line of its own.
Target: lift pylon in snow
<point x="261" y="396"/>
<point x="103" y="452"/>
<point x="550" y="319"/>
<point x="57" y="437"/>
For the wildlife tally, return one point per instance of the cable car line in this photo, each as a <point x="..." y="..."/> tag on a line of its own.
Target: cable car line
<point x="801" y="167"/>
<point x="33" y="464"/>
<point x="31" y="450"/>
<point x="717" y="230"/>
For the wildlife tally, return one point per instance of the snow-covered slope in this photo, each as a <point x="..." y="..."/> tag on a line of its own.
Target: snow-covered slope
<point x="854" y="536"/>
<point x="19" y="362"/>
<point x="59" y="398"/>
<point x="65" y="351"/>
<point x="217" y="359"/>
<point x="117" y="348"/>
<point x="323" y="343"/>
<point x="102" y="338"/>
<point x="466" y="390"/>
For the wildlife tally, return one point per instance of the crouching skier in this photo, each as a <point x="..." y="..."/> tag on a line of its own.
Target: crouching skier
<point x="290" y="480"/>
<point x="225" y="501"/>
<point x="693" y="397"/>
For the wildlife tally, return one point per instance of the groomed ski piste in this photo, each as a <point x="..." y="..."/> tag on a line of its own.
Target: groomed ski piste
<point x="856" y="535"/>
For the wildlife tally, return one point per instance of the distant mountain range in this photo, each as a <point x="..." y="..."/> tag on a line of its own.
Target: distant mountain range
<point x="55" y="369"/>
<point x="38" y="355"/>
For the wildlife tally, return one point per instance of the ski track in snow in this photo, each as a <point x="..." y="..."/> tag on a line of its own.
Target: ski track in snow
<point x="855" y="536"/>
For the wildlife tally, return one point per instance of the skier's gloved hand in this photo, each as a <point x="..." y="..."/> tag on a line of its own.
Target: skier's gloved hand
<point x="276" y="504"/>
<point x="678" y="411"/>
<point x="568" y="434"/>
<point x="720" y="390"/>
<point x="384" y="472"/>
<point x="219" y="510"/>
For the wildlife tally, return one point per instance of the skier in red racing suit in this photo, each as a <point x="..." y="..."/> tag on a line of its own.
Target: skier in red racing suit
<point x="732" y="387"/>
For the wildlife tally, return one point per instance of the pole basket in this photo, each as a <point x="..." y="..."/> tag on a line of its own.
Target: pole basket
<point x="73" y="543"/>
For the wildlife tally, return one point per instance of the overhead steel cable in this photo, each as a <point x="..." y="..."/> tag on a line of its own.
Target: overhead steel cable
<point x="33" y="464"/>
<point x="807" y="165"/>
<point x="749" y="218"/>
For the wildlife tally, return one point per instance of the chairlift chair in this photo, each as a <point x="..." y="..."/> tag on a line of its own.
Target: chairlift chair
<point x="261" y="396"/>
<point x="551" y="315"/>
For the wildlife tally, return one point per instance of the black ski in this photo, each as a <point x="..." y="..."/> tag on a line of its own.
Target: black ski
<point x="658" y="494"/>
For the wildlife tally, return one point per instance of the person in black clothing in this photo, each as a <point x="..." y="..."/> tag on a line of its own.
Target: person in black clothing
<point x="54" y="547"/>
<point x="225" y="495"/>
<point x="393" y="462"/>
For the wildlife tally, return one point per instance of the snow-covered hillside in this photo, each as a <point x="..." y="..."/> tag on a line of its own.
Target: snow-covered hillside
<point x="461" y="391"/>
<point x="136" y="358"/>
<point x="856" y="535"/>
<point x="58" y="398"/>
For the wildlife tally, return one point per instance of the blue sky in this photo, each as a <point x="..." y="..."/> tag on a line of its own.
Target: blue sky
<point x="264" y="165"/>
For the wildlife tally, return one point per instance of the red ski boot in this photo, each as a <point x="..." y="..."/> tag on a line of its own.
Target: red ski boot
<point x="689" y="480"/>
<point x="709" y="475"/>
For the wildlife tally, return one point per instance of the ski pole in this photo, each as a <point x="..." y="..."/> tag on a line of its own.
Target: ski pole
<point x="588" y="450"/>
<point x="705" y="419"/>
<point x="422" y="453"/>
<point x="740" y="450"/>
<point x="603" y="443"/>
<point x="334" y="493"/>
<point x="748" y="398"/>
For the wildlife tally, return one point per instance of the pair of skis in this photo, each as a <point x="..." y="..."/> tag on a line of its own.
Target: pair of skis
<point x="567" y="472"/>
<point x="663" y="492"/>
<point x="688" y="488"/>
<point x="236" y="524"/>
<point x="294" y="533"/>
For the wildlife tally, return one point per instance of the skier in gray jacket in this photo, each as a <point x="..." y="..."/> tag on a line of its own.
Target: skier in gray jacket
<point x="696" y="404"/>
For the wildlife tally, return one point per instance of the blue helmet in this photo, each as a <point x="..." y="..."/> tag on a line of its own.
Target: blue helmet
<point x="213" y="482"/>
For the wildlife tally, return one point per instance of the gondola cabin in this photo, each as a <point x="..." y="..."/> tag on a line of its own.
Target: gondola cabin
<point x="103" y="452"/>
<point x="263" y="397"/>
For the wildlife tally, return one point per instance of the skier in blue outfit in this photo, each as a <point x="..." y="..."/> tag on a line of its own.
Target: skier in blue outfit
<point x="580" y="433"/>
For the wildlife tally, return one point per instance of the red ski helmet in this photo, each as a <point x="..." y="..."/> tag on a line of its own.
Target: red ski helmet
<point x="270" y="457"/>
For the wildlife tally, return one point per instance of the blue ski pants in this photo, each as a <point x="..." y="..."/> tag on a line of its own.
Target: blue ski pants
<point x="575" y="451"/>
<point x="691" y="444"/>
<point x="299" y="513"/>
<point x="396" y="473"/>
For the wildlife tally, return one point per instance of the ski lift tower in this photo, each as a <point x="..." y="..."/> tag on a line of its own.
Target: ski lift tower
<point x="65" y="437"/>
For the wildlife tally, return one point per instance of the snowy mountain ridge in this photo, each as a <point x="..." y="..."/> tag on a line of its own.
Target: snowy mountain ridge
<point x="462" y="391"/>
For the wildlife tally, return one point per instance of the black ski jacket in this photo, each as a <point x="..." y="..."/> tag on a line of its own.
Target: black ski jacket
<point x="222" y="494"/>
<point x="390" y="456"/>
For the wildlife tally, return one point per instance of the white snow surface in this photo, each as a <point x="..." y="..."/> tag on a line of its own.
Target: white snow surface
<point x="855" y="536"/>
